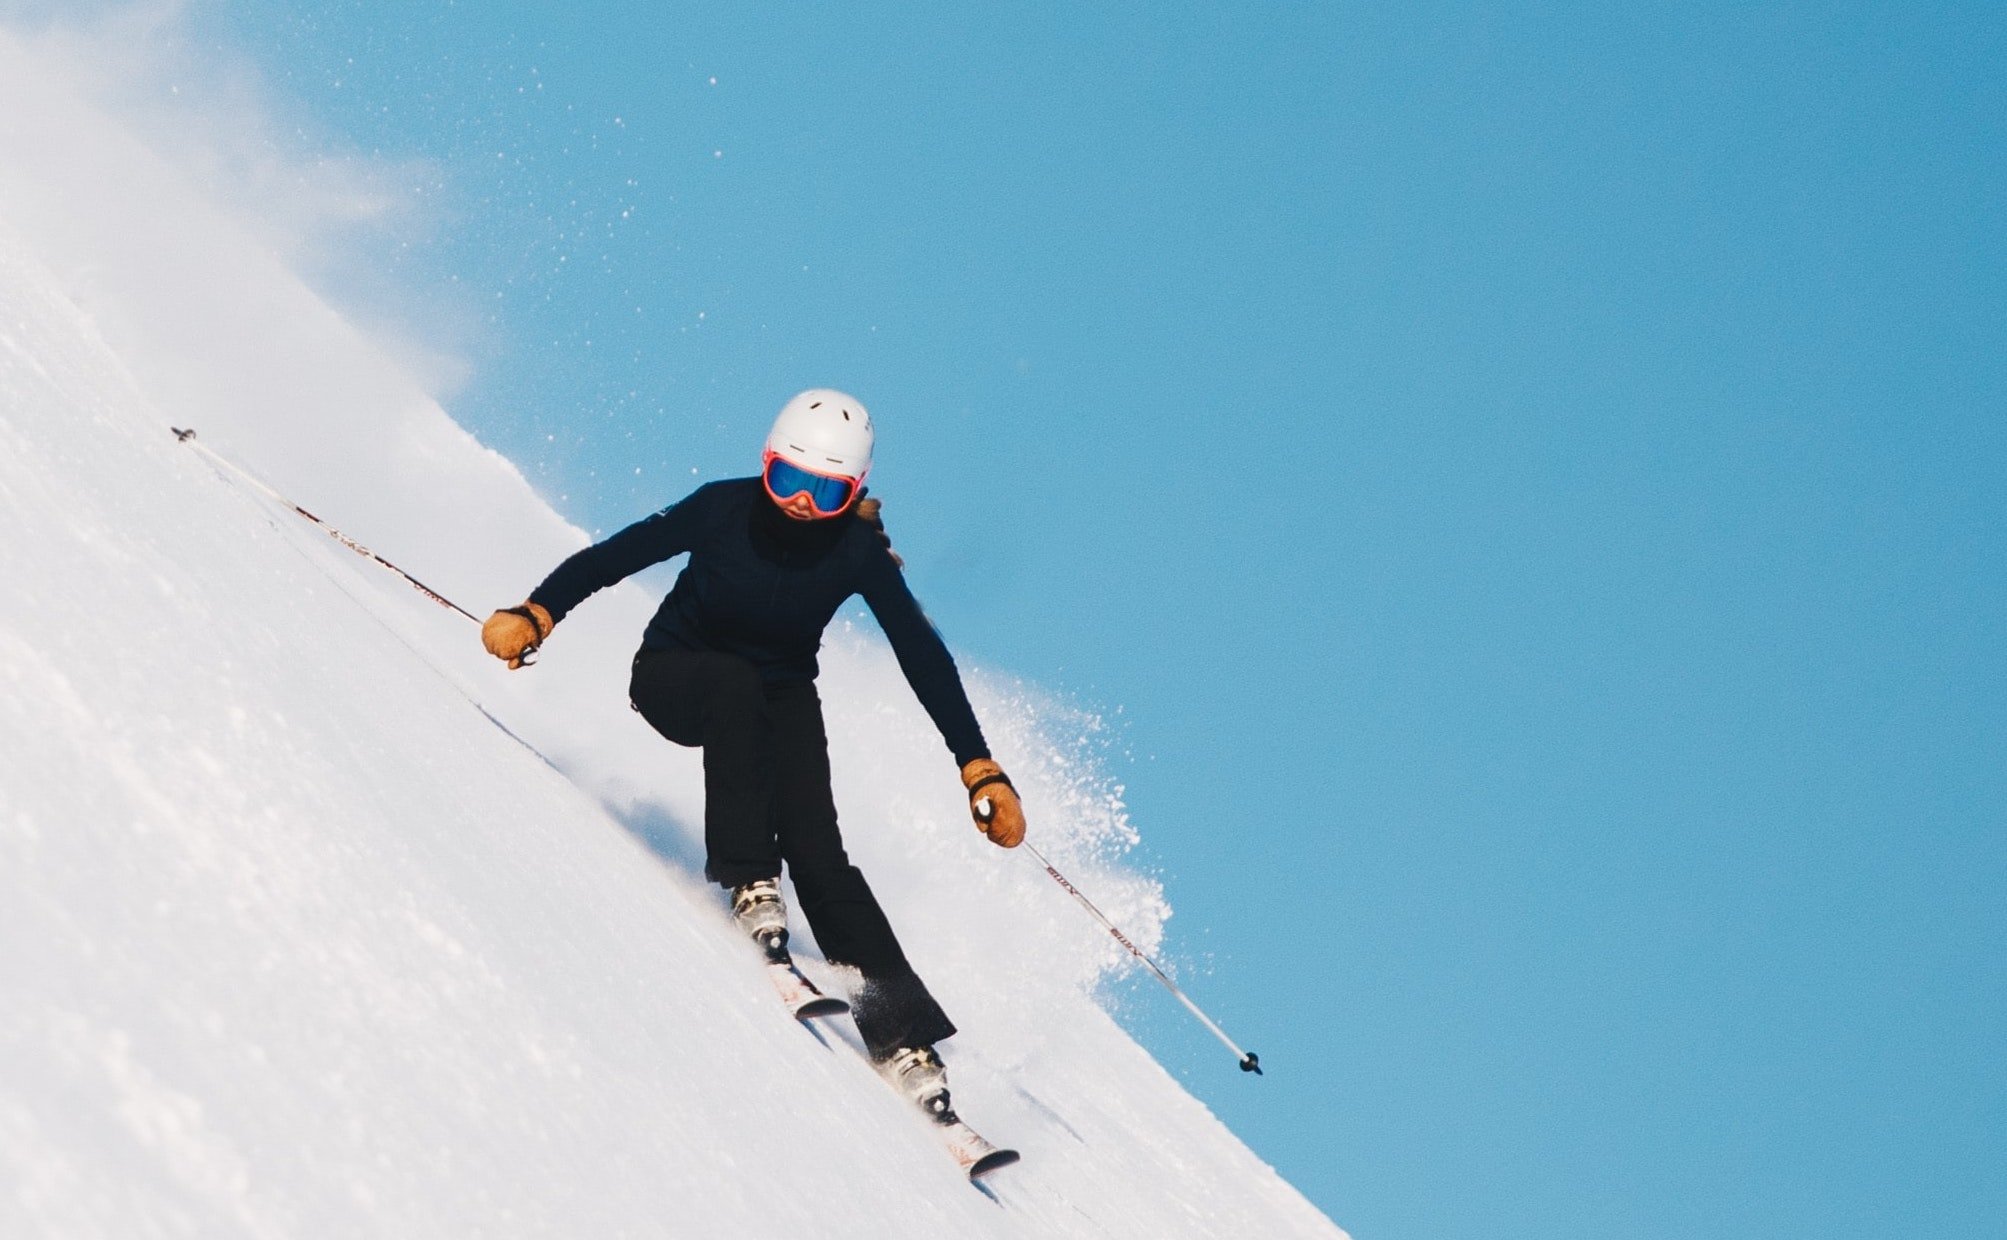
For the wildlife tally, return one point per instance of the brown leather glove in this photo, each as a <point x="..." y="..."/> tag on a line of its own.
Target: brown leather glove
<point x="993" y="802"/>
<point x="514" y="633"/>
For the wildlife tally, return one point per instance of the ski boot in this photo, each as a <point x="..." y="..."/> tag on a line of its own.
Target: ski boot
<point x="758" y="909"/>
<point x="917" y="1072"/>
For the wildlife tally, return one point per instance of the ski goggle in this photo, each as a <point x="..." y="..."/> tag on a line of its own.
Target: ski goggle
<point x="828" y="494"/>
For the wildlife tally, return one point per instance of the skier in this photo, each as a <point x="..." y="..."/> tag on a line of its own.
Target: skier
<point x="729" y="664"/>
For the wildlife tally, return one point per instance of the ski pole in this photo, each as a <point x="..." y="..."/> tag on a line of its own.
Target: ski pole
<point x="1249" y="1061"/>
<point x="188" y="437"/>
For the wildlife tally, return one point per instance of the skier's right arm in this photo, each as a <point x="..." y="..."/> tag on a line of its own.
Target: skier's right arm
<point x="514" y="632"/>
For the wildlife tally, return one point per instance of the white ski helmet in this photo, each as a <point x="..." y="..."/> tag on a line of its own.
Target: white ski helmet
<point x="824" y="431"/>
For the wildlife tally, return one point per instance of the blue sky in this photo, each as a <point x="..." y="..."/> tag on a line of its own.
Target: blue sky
<point x="1529" y="478"/>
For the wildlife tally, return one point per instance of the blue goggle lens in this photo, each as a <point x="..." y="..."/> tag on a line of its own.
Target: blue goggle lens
<point x="827" y="494"/>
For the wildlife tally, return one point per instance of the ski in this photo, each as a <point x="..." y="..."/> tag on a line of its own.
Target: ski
<point x="917" y="1074"/>
<point x="803" y="1000"/>
<point x="971" y="1151"/>
<point x="757" y="910"/>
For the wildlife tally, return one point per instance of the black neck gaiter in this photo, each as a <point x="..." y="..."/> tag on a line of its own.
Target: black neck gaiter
<point x="780" y="539"/>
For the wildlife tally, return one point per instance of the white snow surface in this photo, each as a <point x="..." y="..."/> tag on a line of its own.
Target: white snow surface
<point x="315" y="921"/>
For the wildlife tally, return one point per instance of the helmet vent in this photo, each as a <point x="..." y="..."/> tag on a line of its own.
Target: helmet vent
<point x="816" y="405"/>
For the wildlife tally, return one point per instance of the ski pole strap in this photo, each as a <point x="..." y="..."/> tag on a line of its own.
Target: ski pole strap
<point x="526" y="613"/>
<point x="987" y="780"/>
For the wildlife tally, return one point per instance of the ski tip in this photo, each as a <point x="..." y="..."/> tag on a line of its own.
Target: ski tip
<point x="821" y="1005"/>
<point x="990" y="1162"/>
<point x="1251" y="1063"/>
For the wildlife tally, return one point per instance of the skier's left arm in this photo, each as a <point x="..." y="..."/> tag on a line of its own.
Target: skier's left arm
<point x="936" y="681"/>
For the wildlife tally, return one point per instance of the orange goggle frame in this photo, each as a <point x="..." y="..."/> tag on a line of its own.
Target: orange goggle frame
<point x="828" y="494"/>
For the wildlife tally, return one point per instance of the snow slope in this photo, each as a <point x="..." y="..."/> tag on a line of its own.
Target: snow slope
<point x="314" y="921"/>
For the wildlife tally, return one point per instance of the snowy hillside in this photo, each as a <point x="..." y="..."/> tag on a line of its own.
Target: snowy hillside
<point x="314" y="921"/>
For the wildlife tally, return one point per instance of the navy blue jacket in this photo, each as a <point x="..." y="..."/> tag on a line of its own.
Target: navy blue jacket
<point x="764" y="586"/>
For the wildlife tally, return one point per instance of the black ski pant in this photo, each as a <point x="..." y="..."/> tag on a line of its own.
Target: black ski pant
<point x="767" y="801"/>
